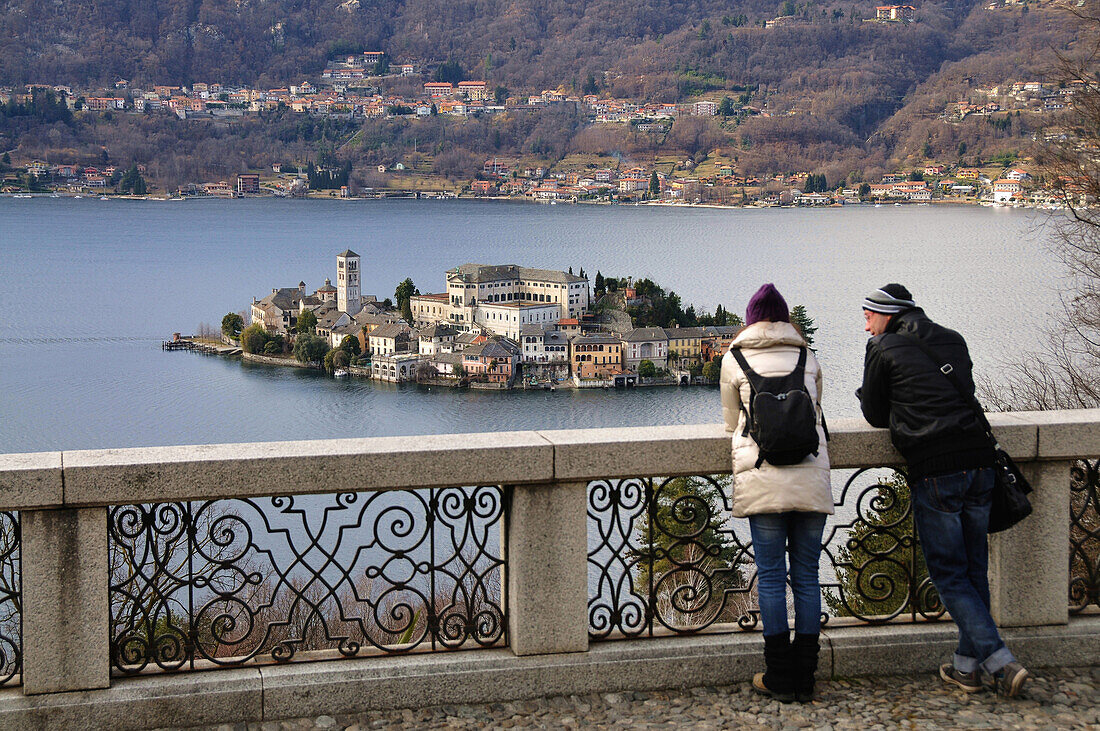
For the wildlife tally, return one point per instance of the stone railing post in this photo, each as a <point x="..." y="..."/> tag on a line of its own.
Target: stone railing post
<point x="1029" y="563"/>
<point x="65" y="610"/>
<point x="547" y="577"/>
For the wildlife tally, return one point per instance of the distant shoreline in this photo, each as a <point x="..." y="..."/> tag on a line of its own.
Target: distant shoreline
<point x="509" y="199"/>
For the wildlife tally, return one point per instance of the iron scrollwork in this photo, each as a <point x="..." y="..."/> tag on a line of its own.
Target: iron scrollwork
<point x="661" y="553"/>
<point x="231" y="581"/>
<point x="665" y="554"/>
<point x="1084" y="536"/>
<point x="11" y="598"/>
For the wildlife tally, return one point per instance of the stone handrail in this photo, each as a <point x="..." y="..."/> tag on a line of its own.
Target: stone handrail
<point x="63" y="499"/>
<point x="87" y="478"/>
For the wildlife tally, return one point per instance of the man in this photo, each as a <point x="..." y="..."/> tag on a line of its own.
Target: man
<point x="950" y="460"/>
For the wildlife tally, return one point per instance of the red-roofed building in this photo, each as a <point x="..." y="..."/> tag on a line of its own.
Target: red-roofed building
<point x="438" y="89"/>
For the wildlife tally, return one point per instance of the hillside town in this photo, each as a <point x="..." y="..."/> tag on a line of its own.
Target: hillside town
<point x="368" y="85"/>
<point x="493" y="326"/>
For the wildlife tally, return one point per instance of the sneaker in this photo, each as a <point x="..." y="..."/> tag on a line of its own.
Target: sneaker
<point x="967" y="682"/>
<point x="1010" y="679"/>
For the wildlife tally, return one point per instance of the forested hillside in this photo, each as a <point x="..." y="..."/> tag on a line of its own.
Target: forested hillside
<point x="842" y="94"/>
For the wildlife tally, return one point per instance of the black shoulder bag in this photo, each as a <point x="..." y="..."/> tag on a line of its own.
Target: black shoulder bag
<point x="1010" y="488"/>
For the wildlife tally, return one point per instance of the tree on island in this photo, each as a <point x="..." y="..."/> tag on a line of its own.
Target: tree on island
<point x="253" y="338"/>
<point x="654" y="185"/>
<point x="350" y="345"/>
<point x="712" y="370"/>
<point x="310" y="348"/>
<point x="404" y="292"/>
<point x="336" y="358"/>
<point x="232" y="324"/>
<point x="306" y="322"/>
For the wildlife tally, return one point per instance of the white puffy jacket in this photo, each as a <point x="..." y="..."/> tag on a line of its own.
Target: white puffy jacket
<point x="771" y="349"/>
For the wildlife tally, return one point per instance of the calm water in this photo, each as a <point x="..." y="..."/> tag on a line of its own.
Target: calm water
<point x="91" y="287"/>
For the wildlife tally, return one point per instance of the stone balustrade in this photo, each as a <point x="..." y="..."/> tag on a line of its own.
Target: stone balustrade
<point x="63" y="500"/>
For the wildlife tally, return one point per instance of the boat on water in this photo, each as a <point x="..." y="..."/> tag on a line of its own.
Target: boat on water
<point x="340" y="373"/>
<point x="22" y="195"/>
<point x="103" y="198"/>
<point x="78" y="196"/>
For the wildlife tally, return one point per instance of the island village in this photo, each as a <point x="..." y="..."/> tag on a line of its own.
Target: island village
<point x="494" y="327"/>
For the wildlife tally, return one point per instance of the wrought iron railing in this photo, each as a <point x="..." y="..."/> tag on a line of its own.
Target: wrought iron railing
<point x="1084" y="536"/>
<point x="665" y="555"/>
<point x="226" y="582"/>
<point x="11" y="598"/>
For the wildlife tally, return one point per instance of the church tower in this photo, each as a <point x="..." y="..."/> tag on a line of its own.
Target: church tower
<point x="347" y="282"/>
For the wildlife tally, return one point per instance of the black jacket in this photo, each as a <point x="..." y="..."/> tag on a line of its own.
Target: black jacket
<point x="931" y="425"/>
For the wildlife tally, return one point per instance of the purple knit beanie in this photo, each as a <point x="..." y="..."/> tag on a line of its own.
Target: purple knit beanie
<point x="767" y="304"/>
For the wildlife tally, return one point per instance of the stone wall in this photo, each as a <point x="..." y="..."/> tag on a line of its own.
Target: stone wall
<point x="62" y="499"/>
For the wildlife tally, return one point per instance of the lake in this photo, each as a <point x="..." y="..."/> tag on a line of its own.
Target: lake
<point x="92" y="287"/>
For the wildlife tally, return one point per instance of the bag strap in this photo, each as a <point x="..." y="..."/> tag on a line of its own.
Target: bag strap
<point x="752" y="377"/>
<point x="948" y="371"/>
<point x="755" y="379"/>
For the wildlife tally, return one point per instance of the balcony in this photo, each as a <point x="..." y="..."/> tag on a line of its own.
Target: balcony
<point x="296" y="578"/>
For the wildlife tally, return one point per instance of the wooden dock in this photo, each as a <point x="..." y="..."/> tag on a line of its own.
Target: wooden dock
<point x="199" y="347"/>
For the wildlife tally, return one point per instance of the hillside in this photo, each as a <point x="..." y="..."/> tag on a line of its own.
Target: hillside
<point x="839" y="94"/>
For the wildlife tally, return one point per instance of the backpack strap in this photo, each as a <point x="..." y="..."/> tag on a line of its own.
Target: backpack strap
<point x="752" y="377"/>
<point x="796" y="377"/>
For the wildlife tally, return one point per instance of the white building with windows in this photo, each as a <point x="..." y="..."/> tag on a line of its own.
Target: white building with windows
<point x="503" y="298"/>
<point x="544" y="346"/>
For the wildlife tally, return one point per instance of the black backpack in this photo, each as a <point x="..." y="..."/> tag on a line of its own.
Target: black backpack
<point x="783" y="420"/>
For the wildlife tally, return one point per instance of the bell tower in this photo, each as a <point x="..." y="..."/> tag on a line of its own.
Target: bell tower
<point x="347" y="282"/>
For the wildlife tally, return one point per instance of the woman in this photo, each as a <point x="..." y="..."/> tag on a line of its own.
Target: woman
<point x="786" y="501"/>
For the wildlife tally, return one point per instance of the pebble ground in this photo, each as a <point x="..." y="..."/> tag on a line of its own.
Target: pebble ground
<point x="1052" y="699"/>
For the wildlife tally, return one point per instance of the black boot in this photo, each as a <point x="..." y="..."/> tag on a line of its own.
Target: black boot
<point x="804" y="650"/>
<point x="779" y="679"/>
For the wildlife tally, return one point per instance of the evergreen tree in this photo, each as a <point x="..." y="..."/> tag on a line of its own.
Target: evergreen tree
<point x="685" y="528"/>
<point x="654" y="185"/>
<point x="132" y="181"/>
<point x="402" y="296"/>
<point x="600" y="287"/>
<point x="880" y="572"/>
<point x="802" y="320"/>
<point x="450" y="72"/>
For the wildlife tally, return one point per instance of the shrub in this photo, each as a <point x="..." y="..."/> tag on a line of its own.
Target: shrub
<point x="310" y="348"/>
<point x="254" y="338"/>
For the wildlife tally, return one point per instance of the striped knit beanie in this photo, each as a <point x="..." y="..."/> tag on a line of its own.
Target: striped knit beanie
<point x="889" y="300"/>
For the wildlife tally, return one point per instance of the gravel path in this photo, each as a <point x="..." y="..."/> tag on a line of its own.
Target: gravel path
<point x="1055" y="699"/>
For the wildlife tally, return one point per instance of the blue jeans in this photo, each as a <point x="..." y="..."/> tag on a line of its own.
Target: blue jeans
<point x="952" y="517"/>
<point x="774" y="535"/>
